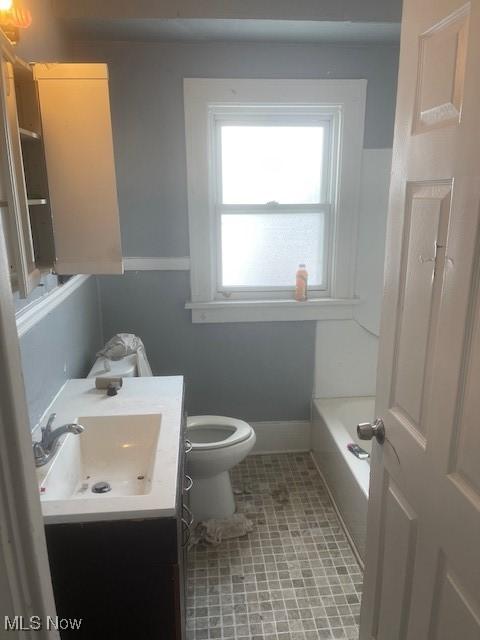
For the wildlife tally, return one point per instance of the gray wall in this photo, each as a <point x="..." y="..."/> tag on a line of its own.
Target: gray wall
<point x="61" y="346"/>
<point x="258" y="371"/>
<point x="146" y="85"/>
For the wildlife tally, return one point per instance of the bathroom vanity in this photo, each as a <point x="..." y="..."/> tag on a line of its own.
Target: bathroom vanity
<point x="117" y="557"/>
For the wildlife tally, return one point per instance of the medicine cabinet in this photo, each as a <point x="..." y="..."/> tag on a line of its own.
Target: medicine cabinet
<point x="58" y="171"/>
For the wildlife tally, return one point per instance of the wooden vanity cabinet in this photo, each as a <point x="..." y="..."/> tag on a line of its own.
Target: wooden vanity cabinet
<point x="126" y="579"/>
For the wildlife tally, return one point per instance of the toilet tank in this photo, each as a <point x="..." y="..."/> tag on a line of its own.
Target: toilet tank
<point x="126" y="367"/>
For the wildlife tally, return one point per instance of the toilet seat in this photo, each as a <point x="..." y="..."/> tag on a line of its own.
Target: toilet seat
<point x="239" y="431"/>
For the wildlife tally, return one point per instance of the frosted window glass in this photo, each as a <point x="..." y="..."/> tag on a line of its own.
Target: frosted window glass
<point x="264" y="250"/>
<point x="264" y="164"/>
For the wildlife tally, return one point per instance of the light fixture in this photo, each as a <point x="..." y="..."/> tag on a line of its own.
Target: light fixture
<point x="13" y="17"/>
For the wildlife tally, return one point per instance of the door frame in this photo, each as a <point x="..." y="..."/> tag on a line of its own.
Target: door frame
<point x="25" y="583"/>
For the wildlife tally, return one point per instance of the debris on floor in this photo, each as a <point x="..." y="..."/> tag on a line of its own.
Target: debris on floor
<point x="214" y="531"/>
<point x="294" y="577"/>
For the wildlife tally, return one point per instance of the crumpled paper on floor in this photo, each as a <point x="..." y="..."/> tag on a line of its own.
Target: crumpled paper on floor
<point x="215" y="530"/>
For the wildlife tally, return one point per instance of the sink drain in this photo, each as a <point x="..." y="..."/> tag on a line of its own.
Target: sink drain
<point x="101" y="487"/>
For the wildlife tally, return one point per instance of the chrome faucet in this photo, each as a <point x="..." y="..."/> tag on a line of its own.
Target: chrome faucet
<point x="44" y="449"/>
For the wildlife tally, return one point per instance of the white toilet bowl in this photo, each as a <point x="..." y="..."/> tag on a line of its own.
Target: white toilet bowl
<point x="218" y="444"/>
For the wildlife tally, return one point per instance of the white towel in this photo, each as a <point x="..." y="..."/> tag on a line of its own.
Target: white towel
<point x="125" y="344"/>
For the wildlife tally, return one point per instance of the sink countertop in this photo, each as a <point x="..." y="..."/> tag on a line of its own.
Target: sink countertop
<point x="155" y="395"/>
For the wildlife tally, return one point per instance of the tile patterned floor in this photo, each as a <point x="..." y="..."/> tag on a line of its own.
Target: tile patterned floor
<point x="293" y="578"/>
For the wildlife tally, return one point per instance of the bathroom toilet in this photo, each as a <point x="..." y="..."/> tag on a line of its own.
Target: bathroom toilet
<point x="218" y="444"/>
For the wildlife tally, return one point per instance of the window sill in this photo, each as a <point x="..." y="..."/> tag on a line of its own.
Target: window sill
<point x="272" y="310"/>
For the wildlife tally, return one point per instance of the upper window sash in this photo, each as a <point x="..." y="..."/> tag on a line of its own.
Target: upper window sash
<point x="317" y="116"/>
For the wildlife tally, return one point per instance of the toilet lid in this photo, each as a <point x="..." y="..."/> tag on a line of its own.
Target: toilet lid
<point x="230" y="431"/>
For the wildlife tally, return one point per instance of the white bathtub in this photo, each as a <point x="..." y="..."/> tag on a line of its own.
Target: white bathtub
<point x="334" y="426"/>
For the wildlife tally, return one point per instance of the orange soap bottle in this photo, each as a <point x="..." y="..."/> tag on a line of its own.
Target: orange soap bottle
<point x="301" y="284"/>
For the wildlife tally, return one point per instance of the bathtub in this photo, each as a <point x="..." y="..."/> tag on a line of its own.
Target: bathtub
<point x="333" y="427"/>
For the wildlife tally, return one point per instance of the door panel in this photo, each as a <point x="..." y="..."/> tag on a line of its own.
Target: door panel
<point x="398" y="562"/>
<point x="441" y="72"/>
<point x="453" y="608"/>
<point x="83" y="200"/>
<point x="426" y="223"/>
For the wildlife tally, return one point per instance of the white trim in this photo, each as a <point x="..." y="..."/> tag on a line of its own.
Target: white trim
<point x="272" y="310"/>
<point x="29" y="316"/>
<point x="156" y="264"/>
<point x="282" y="436"/>
<point x="345" y="98"/>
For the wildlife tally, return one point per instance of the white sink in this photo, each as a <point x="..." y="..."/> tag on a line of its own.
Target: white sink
<point x="115" y="449"/>
<point x="131" y="440"/>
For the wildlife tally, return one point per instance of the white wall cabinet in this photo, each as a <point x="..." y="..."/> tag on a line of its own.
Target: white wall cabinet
<point x="59" y="170"/>
<point x="77" y="133"/>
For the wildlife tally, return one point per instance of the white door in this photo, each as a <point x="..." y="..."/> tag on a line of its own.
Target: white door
<point x="422" y="579"/>
<point x="25" y="586"/>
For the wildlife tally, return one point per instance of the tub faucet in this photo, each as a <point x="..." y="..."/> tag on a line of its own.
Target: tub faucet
<point x="44" y="449"/>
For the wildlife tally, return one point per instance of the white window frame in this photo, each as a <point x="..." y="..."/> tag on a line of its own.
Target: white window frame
<point x="207" y="101"/>
<point x="274" y="115"/>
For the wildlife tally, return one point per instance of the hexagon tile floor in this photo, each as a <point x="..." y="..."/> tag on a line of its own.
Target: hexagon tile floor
<point x="294" y="577"/>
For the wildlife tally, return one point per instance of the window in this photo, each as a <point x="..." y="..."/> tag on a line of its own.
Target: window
<point x="271" y="202"/>
<point x="267" y="162"/>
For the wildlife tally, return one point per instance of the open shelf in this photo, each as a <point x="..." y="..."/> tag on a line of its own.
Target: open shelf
<point x="26" y="134"/>
<point x="36" y="201"/>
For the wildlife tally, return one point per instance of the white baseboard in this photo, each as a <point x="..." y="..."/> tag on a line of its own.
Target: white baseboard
<point x="282" y="436"/>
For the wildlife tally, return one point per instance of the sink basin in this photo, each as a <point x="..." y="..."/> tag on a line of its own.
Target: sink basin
<point x="132" y="441"/>
<point x="115" y="452"/>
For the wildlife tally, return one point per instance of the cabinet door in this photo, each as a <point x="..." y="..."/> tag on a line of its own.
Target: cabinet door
<point x="24" y="273"/>
<point x="76" y="123"/>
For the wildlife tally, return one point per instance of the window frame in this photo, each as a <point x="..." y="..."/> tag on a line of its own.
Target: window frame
<point x="341" y="103"/>
<point x="271" y="115"/>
